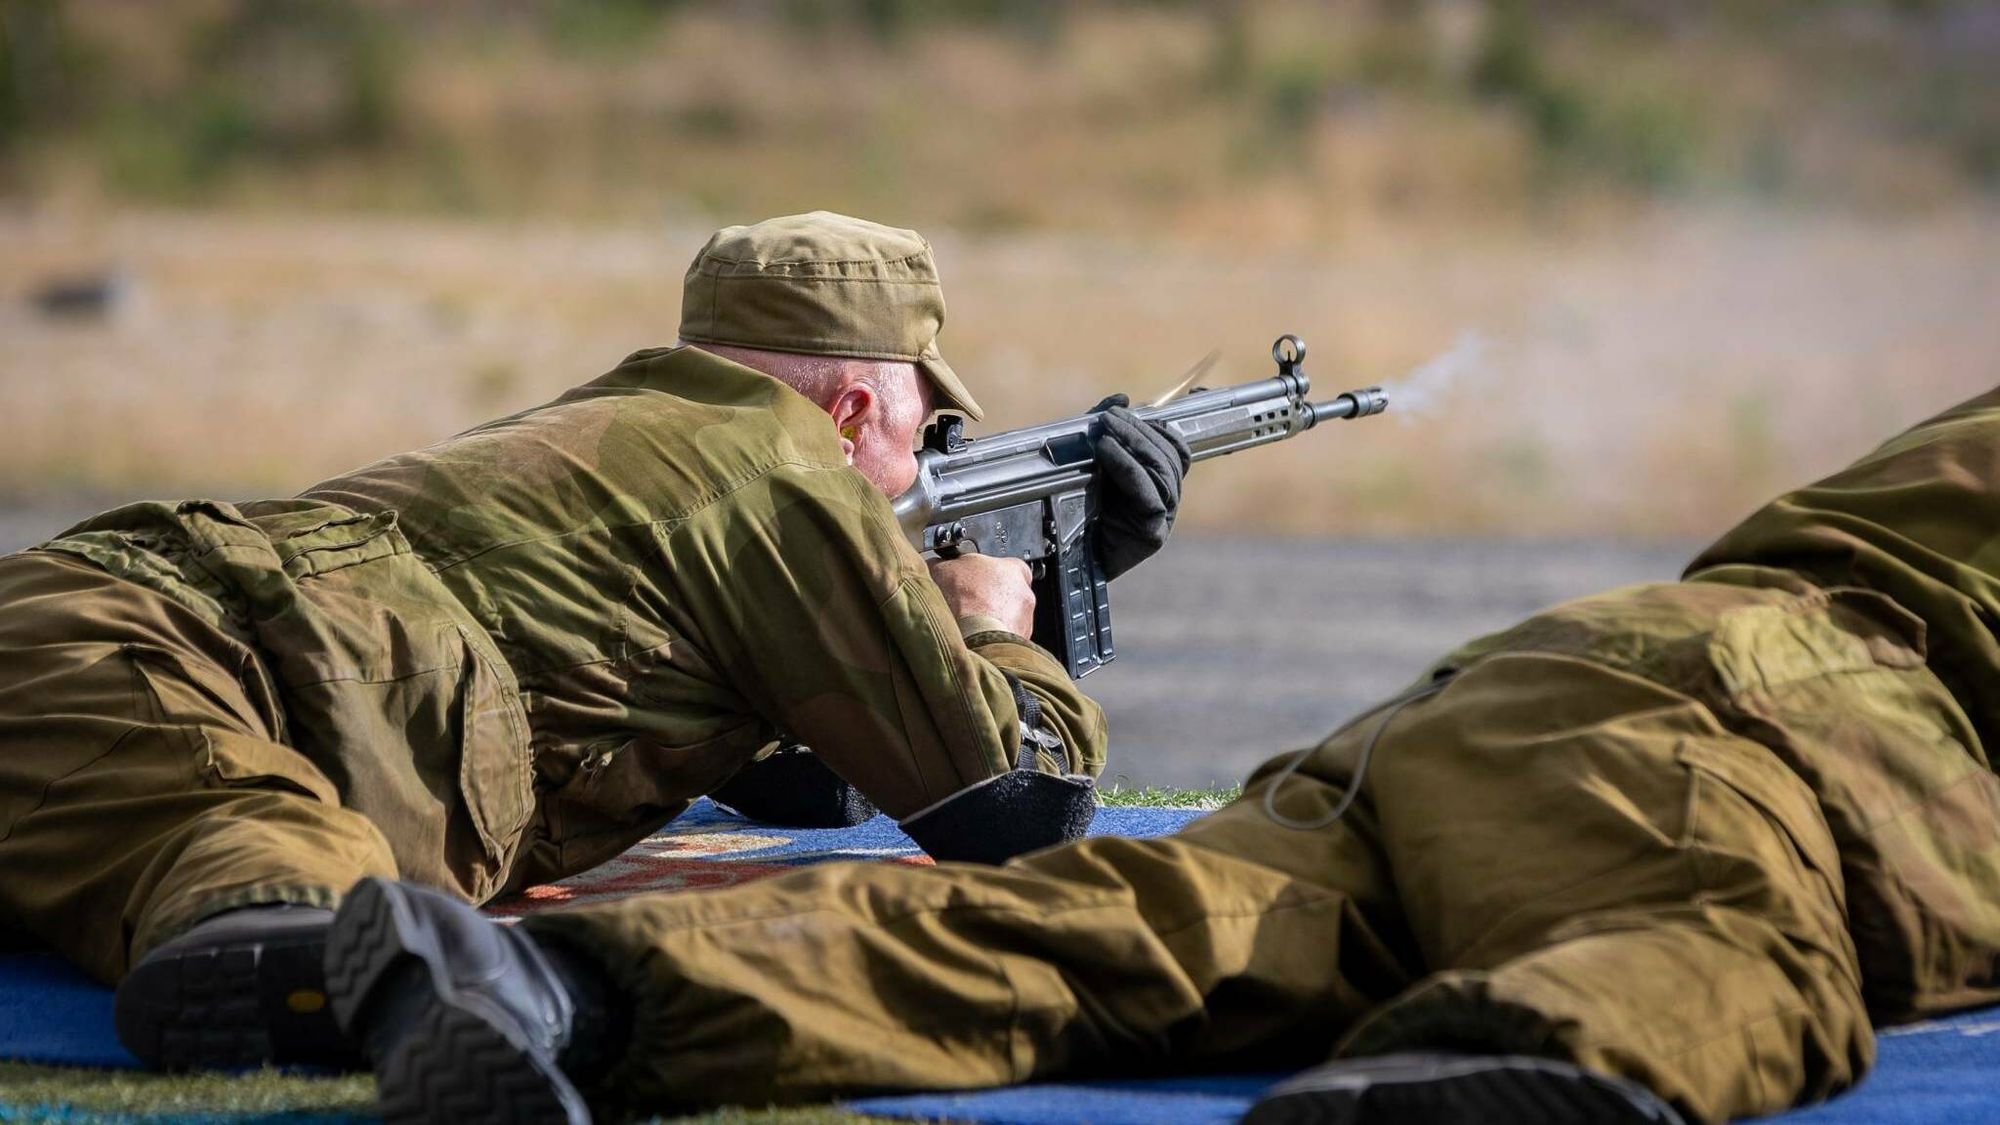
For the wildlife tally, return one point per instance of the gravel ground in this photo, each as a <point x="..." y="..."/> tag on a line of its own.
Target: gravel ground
<point x="1231" y="650"/>
<point x="25" y="526"/>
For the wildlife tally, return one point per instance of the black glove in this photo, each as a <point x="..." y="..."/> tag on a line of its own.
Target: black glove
<point x="1139" y="469"/>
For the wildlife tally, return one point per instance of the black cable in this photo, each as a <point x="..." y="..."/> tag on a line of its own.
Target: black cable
<point x="1353" y="790"/>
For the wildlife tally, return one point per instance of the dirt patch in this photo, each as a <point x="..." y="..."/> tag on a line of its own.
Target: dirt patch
<point x="1233" y="651"/>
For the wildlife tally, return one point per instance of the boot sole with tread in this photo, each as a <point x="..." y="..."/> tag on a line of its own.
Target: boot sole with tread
<point x="462" y="1061"/>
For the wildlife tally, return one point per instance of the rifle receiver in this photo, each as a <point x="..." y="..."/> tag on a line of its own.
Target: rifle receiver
<point x="1029" y="493"/>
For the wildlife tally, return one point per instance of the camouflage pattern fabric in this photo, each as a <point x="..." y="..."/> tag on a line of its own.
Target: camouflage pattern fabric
<point x="498" y="660"/>
<point x="1702" y="835"/>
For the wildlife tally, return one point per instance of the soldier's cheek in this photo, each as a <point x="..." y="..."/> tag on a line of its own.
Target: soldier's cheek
<point x="903" y="476"/>
<point x="891" y="470"/>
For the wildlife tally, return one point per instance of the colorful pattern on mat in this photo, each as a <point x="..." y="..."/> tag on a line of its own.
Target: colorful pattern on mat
<point x="709" y="847"/>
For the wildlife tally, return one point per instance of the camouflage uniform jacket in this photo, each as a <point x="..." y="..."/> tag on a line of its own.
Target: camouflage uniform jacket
<point x="570" y="622"/>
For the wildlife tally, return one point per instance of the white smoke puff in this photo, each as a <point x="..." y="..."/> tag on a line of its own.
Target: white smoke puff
<point x="1419" y="392"/>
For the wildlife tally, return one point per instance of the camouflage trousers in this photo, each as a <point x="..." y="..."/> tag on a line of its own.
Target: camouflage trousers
<point x="1695" y="834"/>
<point x="143" y="783"/>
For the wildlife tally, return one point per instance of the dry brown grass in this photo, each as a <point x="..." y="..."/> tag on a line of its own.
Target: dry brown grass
<point x="1652" y="377"/>
<point x="1716" y="248"/>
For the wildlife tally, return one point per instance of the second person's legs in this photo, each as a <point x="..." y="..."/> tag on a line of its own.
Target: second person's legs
<point x="1109" y="955"/>
<point x="1603" y="874"/>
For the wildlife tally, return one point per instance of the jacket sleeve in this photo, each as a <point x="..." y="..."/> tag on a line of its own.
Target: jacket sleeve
<point x="808" y="599"/>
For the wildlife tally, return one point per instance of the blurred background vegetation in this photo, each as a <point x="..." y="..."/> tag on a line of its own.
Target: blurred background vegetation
<point x="1716" y="245"/>
<point x="1230" y="118"/>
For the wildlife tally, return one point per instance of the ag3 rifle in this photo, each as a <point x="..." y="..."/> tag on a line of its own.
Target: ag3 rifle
<point x="1028" y="493"/>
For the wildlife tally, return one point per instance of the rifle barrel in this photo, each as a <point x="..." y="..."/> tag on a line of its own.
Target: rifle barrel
<point x="1353" y="404"/>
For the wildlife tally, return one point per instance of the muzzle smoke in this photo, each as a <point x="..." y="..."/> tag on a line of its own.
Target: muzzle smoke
<point x="1421" y="391"/>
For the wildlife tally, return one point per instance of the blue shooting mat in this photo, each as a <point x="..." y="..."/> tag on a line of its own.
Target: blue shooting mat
<point x="1947" y="1070"/>
<point x="50" y="1012"/>
<point x="1944" y="1071"/>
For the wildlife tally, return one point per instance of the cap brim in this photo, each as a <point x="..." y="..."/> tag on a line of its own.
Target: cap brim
<point x="951" y="392"/>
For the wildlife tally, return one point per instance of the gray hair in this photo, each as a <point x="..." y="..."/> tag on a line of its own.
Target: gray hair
<point x="820" y="378"/>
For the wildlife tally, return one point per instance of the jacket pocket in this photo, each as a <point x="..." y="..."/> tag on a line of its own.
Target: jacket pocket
<point x="1759" y="780"/>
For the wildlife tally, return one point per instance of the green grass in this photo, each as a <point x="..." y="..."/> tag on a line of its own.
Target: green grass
<point x="112" y="1092"/>
<point x="1153" y="796"/>
<point x="79" y="1096"/>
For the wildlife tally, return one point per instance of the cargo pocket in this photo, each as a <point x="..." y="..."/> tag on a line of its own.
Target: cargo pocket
<point x="1744" y="801"/>
<point x="233" y="761"/>
<point x="195" y="710"/>
<point x="151" y="736"/>
<point x="392" y="689"/>
<point x="494" y="766"/>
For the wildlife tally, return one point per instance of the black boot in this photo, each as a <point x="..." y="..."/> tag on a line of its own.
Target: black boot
<point x="464" y="1019"/>
<point x="1457" y="1089"/>
<point x="792" y="787"/>
<point x="241" y="989"/>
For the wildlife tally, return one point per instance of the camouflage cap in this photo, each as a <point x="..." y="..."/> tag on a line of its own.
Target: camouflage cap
<point x="823" y="284"/>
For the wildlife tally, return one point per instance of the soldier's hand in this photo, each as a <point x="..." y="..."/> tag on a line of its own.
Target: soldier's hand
<point x="993" y="587"/>
<point x="1139" y="469"/>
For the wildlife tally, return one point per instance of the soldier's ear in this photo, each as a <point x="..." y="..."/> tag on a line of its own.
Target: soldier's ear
<point x="852" y="409"/>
